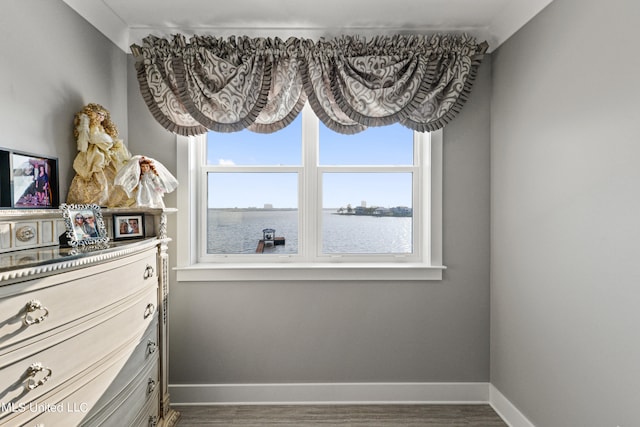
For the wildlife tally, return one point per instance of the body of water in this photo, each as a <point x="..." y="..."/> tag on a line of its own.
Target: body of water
<point x="238" y="232"/>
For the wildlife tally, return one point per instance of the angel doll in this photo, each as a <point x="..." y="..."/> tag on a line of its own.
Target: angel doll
<point x="146" y="179"/>
<point x="101" y="153"/>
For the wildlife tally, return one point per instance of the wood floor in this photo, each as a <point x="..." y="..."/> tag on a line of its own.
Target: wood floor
<point x="340" y="415"/>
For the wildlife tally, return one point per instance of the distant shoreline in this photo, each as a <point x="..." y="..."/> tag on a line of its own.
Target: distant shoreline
<point x="386" y="214"/>
<point x="252" y="209"/>
<point x="334" y="211"/>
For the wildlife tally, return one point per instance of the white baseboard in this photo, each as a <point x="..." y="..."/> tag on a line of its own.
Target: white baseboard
<point x="507" y="410"/>
<point x="328" y="393"/>
<point x="349" y="393"/>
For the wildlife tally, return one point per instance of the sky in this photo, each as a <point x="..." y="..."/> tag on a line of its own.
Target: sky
<point x="388" y="145"/>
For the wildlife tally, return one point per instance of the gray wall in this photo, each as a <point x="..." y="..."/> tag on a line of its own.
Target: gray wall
<point x="565" y="209"/>
<point x="270" y="332"/>
<point x="267" y="332"/>
<point x="54" y="63"/>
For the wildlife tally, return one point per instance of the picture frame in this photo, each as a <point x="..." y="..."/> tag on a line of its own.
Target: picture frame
<point x="129" y="226"/>
<point x="85" y="225"/>
<point x="28" y="181"/>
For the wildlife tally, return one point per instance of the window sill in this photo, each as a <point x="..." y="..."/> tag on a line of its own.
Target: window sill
<point x="211" y="272"/>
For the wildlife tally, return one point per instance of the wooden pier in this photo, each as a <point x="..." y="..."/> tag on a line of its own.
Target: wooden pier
<point x="276" y="241"/>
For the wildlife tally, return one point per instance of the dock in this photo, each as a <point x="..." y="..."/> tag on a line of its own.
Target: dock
<point x="276" y="241"/>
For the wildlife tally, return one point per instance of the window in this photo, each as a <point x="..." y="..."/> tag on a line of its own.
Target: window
<point x="308" y="201"/>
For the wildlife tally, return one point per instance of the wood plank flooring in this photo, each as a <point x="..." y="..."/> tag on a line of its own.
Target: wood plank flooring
<point x="340" y="415"/>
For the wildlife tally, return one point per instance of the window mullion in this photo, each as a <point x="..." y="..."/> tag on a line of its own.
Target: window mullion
<point x="420" y="194"/>
<point x="199" y="155"/>
<point x="310" y="191"/>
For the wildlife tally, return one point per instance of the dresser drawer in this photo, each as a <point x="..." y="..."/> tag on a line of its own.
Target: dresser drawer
<point x="148" y="416"/>
<point x="79" y="355"/>
<point x="50" y="304"/>
<point x="137" y="366"/>
<point x="76" y="408"/>
<point x="141" y="393"/>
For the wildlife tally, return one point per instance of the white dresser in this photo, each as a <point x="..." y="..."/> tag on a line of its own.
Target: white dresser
<point x="83" y="336"/>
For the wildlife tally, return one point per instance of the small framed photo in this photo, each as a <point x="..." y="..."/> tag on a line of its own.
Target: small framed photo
<point x="28" y="181"/>
<point x="130" y="226"/>
<point x="85" y="225"/>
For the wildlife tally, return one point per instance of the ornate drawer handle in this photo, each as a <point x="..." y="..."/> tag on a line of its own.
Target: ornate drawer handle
<point x="34" y="369"/>
<point x="151" y="347"/>
<point x="153" y="420"/>
<point x="148" y="311"/>
<point x="148" y="272"/>
<point x="35" y="305"/>
<point x="151" y="385"/>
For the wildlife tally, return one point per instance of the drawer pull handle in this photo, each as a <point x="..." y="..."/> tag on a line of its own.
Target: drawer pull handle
<point x="151" y="347"/>
<point x="153" y="420"/>
<point x="33" y="306"/>
<point x="33" y="370"/>
<point x="151" y="385"/>
<point x="148" y="311"/>
<point x="148" y="272"/>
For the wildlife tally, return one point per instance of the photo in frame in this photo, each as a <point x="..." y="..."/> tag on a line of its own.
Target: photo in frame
<point x="130" y="226"/>
<point x="28" y="181"/>
<point x="85" y="225"/>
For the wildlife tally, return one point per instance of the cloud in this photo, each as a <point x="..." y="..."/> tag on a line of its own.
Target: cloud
<point x="224" y="162"/>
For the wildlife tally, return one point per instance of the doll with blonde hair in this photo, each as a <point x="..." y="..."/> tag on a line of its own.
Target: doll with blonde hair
<point x="101" y="154"/>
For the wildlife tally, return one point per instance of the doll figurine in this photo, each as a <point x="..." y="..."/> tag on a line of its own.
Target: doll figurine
<point x="100" y="155"/>
<point x="146" y="179"/>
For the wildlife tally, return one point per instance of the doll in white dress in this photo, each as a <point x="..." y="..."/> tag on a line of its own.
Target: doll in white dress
<point x="147" y="180"/>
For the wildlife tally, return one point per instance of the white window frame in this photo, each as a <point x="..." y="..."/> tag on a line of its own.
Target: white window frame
<point x="425" y="263"/>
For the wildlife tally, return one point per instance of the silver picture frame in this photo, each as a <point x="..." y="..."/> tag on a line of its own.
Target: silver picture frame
<point x="85" y="225"/>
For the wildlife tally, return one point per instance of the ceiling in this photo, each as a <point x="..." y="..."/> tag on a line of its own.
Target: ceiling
<point x="128" y="21"/>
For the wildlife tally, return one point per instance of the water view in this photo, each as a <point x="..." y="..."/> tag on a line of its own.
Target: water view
<point x="237" y="231"/>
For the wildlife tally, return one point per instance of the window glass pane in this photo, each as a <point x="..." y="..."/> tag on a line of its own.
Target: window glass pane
<point x="249" y="148"/>
<point x="242" y="205"/>
<point x="367" y="213"/>
<point x="385" y="145"/>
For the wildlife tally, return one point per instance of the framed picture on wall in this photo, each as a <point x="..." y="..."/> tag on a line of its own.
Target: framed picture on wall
<point x="28" y="181"/>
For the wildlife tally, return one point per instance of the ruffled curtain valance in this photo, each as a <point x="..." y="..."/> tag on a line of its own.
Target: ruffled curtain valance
<point x="226" y="85"/>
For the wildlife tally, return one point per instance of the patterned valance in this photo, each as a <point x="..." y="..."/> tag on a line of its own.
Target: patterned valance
<point x="226" y="85"/>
